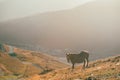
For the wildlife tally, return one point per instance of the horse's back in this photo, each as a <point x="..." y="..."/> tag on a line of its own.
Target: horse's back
<point x="84" y="54"/>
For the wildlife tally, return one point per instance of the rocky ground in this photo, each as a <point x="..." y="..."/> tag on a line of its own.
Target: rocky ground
<point x="105" y="69"/>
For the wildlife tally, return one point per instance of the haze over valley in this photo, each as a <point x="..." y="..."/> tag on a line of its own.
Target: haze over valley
<point x="93" y="26"/>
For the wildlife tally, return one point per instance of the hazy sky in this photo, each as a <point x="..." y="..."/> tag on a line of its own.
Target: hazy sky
<point x="94" y="26"/>
<point x="10" y="9"/>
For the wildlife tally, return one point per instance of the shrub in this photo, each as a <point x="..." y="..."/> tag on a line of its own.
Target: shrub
<point x="13" y="54"/>
<point x="2" y="47"/>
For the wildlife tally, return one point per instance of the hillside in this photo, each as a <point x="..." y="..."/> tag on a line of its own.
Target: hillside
<point x="24" y="63"/>
<point x="40" y="59"/>
<point x="104" y="69"/>
<point x="30" y="65"/>
<point x="10" y="67"/>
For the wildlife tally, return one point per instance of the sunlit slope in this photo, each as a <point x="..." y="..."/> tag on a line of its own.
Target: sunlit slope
<point x="104" y="69"/>
<point x="23" y="63"/>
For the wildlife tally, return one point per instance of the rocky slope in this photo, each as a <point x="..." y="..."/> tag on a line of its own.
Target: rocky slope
<point x="104" y="69"/>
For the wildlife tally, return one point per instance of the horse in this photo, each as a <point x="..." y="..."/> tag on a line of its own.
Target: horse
<point x="78" y="58"/>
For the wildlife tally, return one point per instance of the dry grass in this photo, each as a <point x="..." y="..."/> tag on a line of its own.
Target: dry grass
<point x="27" y="63"/>
<point x="108" y="69"/>
<point x="41" y="59"/>
<point x="30" y="64"/>
<point x="11" y="64"/>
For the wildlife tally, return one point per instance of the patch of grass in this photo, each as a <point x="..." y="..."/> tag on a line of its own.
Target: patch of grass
<point x="46" y="71"/>
<point x="8" y="78"/>
<point x="13" y="54"/>
<point x="31" y="70"/>
<point x="21" y="57"/>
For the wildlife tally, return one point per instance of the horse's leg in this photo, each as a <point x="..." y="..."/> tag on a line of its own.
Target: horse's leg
<point x="87" y="62"/>
<point x="83" y="65"/>
<point x="73" y="65"/>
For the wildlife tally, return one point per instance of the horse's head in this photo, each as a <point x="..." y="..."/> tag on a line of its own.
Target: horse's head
<point x="68" y="57"/>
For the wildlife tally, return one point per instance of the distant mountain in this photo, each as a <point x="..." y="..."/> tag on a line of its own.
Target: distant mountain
<point x="93" y="26"/>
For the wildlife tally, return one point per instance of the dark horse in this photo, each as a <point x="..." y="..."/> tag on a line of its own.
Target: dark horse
<point x="78" y="58"/>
